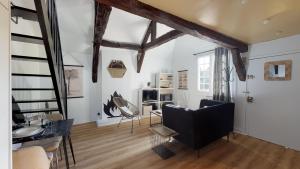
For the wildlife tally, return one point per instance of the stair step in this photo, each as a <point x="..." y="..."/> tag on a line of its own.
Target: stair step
<point x="25" y="13"/>
<point x="30" y="75"/>
<point x="26" y="38"/>
<point x="35" y="101"/>
<point x="28" y="58"/>
<point x="24" y="89"/>
<point x="35" y="110"/>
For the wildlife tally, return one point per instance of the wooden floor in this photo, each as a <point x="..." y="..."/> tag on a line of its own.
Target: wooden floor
<point x="116" y="148"/>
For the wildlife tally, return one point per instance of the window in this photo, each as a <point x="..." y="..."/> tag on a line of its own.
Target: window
<point x="205" y="72"/>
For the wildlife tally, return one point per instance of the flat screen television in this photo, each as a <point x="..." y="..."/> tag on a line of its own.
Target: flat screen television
<point x="150" y="95"/>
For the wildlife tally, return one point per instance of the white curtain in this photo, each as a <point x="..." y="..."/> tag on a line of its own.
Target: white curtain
<point x="222" y="75"/>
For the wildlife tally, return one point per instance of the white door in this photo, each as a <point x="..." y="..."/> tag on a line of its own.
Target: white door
<point x="274" y="115"/>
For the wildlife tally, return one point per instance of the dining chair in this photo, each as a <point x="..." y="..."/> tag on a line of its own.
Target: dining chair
<point x="127" y="109"/>
<point x="51" y="145"/>
<point x="30" y="158"/>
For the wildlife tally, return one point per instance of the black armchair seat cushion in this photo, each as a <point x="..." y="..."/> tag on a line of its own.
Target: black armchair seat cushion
<point x="198" y="128"/>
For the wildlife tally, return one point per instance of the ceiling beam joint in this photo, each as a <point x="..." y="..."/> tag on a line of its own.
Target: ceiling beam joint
<point x="141" y="9"/>
<point x="102" y="13"/>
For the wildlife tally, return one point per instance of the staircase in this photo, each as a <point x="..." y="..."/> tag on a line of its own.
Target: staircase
<point x="45" y="14"/>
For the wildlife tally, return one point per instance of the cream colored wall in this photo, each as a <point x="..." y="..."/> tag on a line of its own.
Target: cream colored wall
<point x="4" y="3"/>
<point x="34" y="50"/>
<point x="5" y="120"/>
<point x="274" y="114"/>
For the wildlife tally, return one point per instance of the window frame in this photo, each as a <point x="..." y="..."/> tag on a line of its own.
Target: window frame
<point x="211" y="56"/>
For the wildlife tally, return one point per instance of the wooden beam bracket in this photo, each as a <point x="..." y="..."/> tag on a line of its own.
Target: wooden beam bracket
<point x="102" y="13"/>
<point x="141" y="9"/>
<point x="163" y="39"/>
<point x="122" y="45"/>
<point x="239" y="64"/>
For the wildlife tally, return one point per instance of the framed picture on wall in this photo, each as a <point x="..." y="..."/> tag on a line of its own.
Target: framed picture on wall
<point x="74" y="80"/>
<point x="183" y="79"/>
<point x="278" y="70"/>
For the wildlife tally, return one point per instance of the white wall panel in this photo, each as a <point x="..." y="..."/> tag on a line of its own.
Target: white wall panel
<point x="5" y="120"/>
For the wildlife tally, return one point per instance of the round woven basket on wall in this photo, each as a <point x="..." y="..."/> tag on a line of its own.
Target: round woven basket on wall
<point x="117" y="69"/>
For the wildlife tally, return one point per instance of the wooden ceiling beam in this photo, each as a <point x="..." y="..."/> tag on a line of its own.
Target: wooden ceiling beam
<point x="153" y="31"/>
<point x="102" y="13"/>
<point x="239" y="64"/>
<point x="163" y="39"/>
<point x="147" y="34"/>
<point x="187" y="27"/>
<point x="142" y="52"/>
<point x="122" y="45"/>
<point x="140" y="59"/>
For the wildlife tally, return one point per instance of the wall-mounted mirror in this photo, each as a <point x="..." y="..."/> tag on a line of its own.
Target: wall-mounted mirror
<point x="278" y="70"/>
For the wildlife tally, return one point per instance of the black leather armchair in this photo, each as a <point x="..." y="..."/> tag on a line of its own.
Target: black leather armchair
<point x="198" y="128"/>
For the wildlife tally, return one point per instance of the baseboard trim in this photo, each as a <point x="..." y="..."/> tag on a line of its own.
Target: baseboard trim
<point x="240" y="132"/>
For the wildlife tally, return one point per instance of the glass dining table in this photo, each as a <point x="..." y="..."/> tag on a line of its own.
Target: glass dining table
<point x="54" y="129"/>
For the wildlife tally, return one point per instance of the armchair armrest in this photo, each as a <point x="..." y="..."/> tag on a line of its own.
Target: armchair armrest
<point x="213" y="122"/>
<point x="178" y="119"/>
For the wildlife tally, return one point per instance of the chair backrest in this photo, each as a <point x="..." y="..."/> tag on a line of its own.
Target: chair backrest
<point x="123" y="106"/>
<point x="31" y="157"/>
<point x="17" y="118"/>
<point x="120" y="102"/>
<point x="55" y="117"/>
<point x="206" y="102"/>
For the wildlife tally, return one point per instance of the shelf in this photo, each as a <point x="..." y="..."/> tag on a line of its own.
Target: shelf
<point x="149" y="102"/>
<point x="27" y="38"/>
<point x="28" y="58"/>
<point x="150" y="88"/>
<point x="25" y="13"/>
<point x="30" y="75"/>
<point x="166" y="88"/>
<point x="27" y="89"/>
<point x="166" y="74"/>
<point x="34" y="101"/>
<point x="35" y="110"/>
<point x="166" y="101"/>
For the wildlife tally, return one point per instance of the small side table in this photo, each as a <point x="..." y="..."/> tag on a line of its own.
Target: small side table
<point x="157" y="113"/>
<point x="161" y="135"/>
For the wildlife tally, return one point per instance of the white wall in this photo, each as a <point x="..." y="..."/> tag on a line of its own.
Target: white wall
<point x="155" y="61"/>
<point x="280" y="98"/>
<point x="131" y="29"/>
<point x="76" y="33"/>
<point x="184" y="59"/>
<point x="5" y="98"/>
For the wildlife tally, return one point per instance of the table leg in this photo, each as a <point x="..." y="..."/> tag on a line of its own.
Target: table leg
<point x="66" y="152"/>
<point x="150" y="120"/>
<point x="71" y="146"/>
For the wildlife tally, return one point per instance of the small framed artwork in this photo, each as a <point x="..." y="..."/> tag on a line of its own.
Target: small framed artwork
<point x="278" y="70"/>
<point x="74" y="80"/>
<point x="183" y="79"/>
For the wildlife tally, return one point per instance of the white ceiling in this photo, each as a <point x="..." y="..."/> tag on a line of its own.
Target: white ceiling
<point x="77" y="28"/>
<point x="126" y="27"/>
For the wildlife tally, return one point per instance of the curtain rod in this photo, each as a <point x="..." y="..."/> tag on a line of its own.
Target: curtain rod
<point x="275" y="55"/>
<point x="203" y="52"/>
